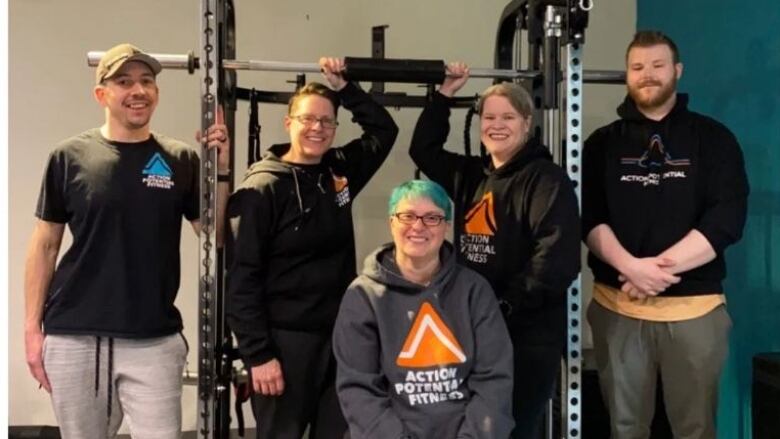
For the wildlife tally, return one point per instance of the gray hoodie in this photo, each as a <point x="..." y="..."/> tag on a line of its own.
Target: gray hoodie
<point x="423" y="362"/>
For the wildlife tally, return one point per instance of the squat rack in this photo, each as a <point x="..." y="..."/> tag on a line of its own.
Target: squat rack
<point x="555" y="34"/>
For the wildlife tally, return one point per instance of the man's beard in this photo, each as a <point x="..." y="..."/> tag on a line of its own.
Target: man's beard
<point x="656" y="100"/>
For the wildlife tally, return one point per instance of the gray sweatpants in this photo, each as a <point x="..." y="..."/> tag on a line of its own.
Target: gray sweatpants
<point x="96" y="381"/>
<point x="689" y="355"/>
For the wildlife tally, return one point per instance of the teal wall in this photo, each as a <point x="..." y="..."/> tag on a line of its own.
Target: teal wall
<point x="731" y="56"/>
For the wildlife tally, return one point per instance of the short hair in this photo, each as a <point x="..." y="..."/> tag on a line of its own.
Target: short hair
<point x="648" y="38"/>
<point x="314" y="89"/>
<point x="415" y="189"/>
<point x="516" y="94"/>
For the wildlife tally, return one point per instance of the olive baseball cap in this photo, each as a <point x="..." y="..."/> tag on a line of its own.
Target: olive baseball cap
<point x="118" y="55"/>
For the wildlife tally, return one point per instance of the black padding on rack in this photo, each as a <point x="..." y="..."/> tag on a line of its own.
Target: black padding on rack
<point x="413" y="71"/>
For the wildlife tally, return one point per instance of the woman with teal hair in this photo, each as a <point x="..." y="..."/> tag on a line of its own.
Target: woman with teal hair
<point x="421" y="347"/>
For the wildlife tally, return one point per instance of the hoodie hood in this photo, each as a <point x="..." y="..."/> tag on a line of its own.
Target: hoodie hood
<point x="380" y="266"/>
<point x="271" y="162"/>
<point x="628" y="110"/>
<point x="533" y="150"/>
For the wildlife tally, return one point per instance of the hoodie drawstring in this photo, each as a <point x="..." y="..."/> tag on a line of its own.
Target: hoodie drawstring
<point x="298" y="194"/>
<point x="319" y="183"/>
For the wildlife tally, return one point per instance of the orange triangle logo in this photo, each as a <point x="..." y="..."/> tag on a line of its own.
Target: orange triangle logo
<point x="480" y="219"/>
<point x="430" y="342"/>
<point x="339" y="183"/>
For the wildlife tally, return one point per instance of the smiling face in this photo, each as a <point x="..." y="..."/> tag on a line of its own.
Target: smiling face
<point x="417" y="241"/>
<point x="309" y="143"/>
<point x="129" y="97"/>
<point x="651" y="76"/>
<point x="503" y="129"/>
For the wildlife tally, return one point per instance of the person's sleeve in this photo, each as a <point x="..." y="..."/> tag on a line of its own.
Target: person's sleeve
<point x="427" y="147"/>
<point x="362" y="157"/>
<point x="555" y="228"/>
<point x="594" y="196"/>
<point x="52" y="201"/>
<point x="726" y="192"/>
<point x="489" y="410"/>
<point x="361" y="386"/>
<point x="250" y="218"/>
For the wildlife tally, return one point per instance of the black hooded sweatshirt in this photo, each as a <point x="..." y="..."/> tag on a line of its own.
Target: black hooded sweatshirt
<point x="653" y="182"/>
<point x="294" y="247"/>
<point x="517" y="225"/>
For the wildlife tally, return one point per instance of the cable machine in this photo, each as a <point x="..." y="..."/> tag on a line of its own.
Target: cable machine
<point x="554" y="32"/>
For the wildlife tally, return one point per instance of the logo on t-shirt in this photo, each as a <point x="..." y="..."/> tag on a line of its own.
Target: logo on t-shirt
<point x="476" y="241"/>
<point x="157" y="173"/>
<point x="341" y="187"/>
<point x="430" y="346"/>
<point x="651" y="162"/>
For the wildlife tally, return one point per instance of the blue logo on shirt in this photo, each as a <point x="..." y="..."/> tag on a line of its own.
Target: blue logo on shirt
<point x="157" y="166"/>
<point x="158" y="173"/>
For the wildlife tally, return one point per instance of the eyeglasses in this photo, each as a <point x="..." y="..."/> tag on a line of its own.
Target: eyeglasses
<point x="409" y="218"/>
<point x="309" y="121"/>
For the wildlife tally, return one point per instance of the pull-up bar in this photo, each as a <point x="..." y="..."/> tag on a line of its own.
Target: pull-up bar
<point x="381" y="70"/>
<point x="371" y="69"/>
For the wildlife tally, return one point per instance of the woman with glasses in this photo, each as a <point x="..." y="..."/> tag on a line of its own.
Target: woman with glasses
<point x="422" y="349"/>
<point x="294" y="254"/>
<point x="516" y="223"/>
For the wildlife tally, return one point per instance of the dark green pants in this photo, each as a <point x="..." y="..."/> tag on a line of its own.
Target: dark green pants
<point x="689" y="356"/>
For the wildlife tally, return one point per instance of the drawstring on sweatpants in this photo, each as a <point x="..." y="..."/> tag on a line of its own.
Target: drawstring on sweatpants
<point x="97" y="365"/>
<point x="110" y="389"/>
<point x="110" y="373"/>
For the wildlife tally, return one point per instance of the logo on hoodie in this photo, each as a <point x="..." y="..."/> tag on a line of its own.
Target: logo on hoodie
<point x="430" y="342"/>
<point x="652" y="162"/>
<point x="341" y="187"/>
<point x="157" y="173"/>
<point x="430" y="346"/>
<point x="476" y="243"/>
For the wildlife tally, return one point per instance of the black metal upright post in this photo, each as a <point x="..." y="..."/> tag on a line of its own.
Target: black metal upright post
<point x="223" y="349"/>
<point x="210" y="390"/>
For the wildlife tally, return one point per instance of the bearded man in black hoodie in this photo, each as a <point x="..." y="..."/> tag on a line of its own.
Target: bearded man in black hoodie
<point x="516" y="223"/>
<point x="664" y="193"/>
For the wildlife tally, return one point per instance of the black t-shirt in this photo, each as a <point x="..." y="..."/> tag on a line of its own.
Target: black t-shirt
<point x="123" y="203"/>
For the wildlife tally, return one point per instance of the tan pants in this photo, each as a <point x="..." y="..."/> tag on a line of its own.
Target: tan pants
<point x="689" y="355"/>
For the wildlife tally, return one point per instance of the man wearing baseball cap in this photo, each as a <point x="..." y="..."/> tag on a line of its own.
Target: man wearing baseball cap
<point x="120" y="54"/>
<point x="102" y="334"/>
